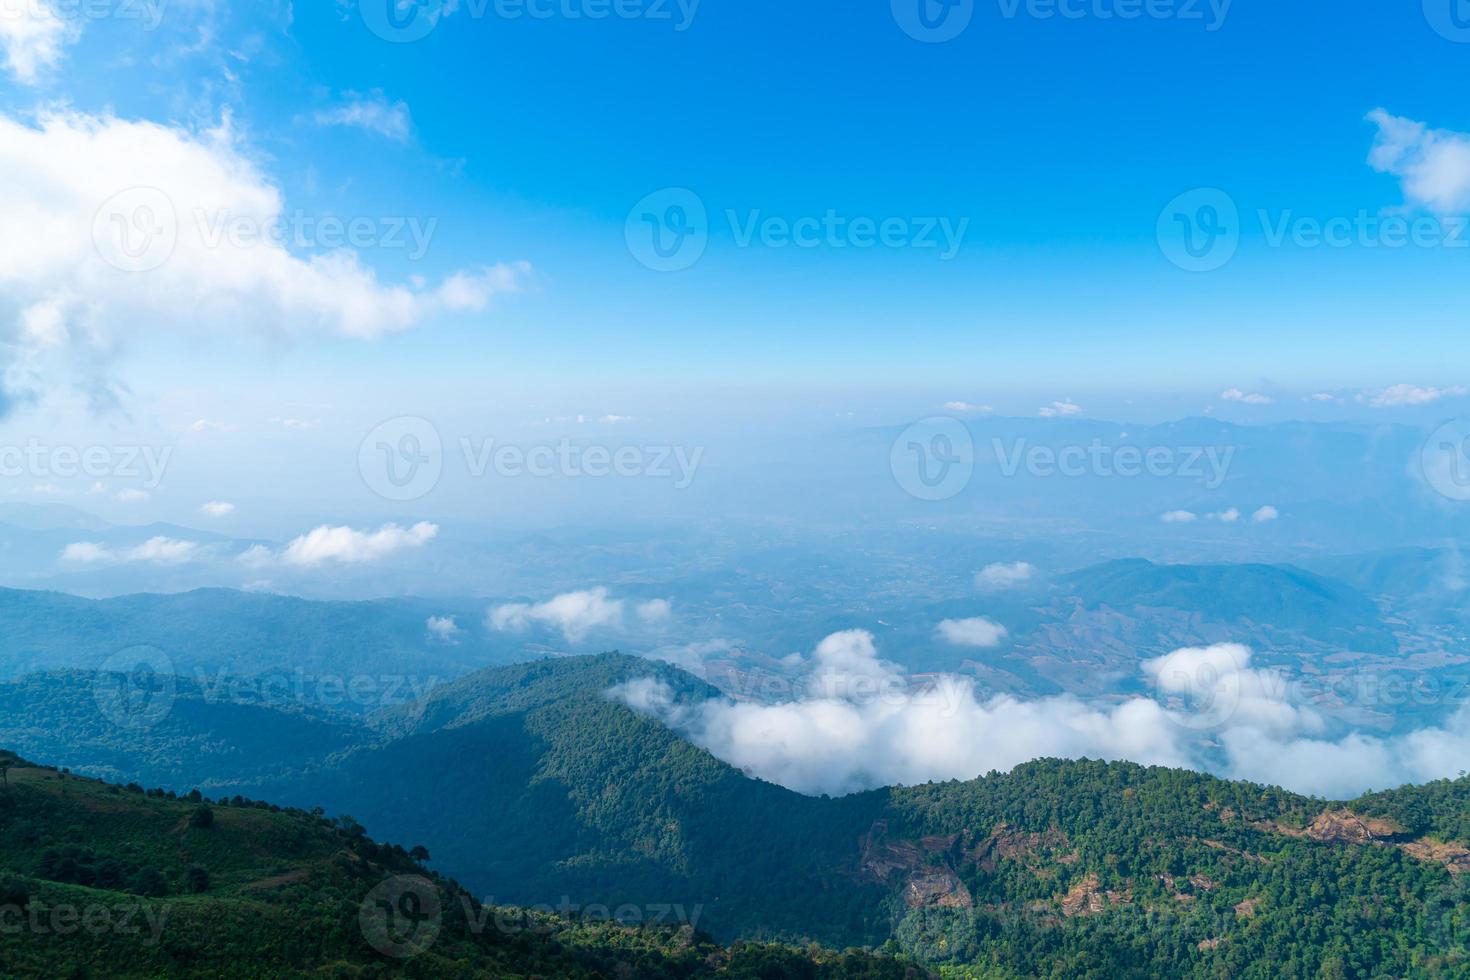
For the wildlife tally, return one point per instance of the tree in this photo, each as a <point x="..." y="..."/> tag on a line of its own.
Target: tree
<point x="419" y="853"/>
<point x="197" y="880"/>
<point x="150" y="883"/>
<point x="14" y="894"/>
<point x="203" y="818"/>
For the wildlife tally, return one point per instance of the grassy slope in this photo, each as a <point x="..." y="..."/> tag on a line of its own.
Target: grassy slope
<point x="284" y="896"/>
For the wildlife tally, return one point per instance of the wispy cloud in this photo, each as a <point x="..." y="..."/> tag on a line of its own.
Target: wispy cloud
<point x="33" y="36"/>
<point x="156" y="550"/>
<point x="1400" y="395"/>
<point x="371" y="112"/>
<point x="1245" y="397"/>
<point x="1062" y="408"/>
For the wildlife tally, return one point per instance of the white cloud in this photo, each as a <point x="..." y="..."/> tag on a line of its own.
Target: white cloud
<point x="129" y="230"/>
<point x="967" y="407"/>
<point x="576" y="614"/>
<point x="1432" y="165"/>
<point x="86" y="551"/>
<point x="1265" y="514"/>
<point x="1179" y="517"/>
<point x="443" y="628"/>
<point x="1247" y="398"/>
<point x="297" y="423"/>
<point x="350" y="546"/>
<point x="1228" y="516"/>
<point x="256" y="556"/>
<point x="371" y="112"/>
<point x="32" y="35"/>
<point x="217" y="508"/>
<point x="156" y="550"/>
<point x="654" y="610"/>
<point x="1401" y="395"/>
<point x="208" y="425"/>
<point x="1322" y="396"/>
<point x="1061" y="408"/>
<point x="867" y="724"/>
<point x="999" y="575"/>
<point x="130" y="495"/>
<point x="974" y="632"/>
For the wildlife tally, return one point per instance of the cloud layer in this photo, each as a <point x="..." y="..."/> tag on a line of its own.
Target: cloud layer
<point x="864" y="724"/>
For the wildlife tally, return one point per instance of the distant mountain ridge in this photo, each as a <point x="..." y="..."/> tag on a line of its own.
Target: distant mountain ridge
<point x="244" y="634"/>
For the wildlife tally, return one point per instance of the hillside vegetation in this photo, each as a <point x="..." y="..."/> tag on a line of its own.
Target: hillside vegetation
<point x="531" y="785"/>
<point x="102" y="880"/>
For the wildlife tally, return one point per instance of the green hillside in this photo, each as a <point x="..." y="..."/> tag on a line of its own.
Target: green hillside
<point x="102" y="880"/>
<point x="531" y="785"/>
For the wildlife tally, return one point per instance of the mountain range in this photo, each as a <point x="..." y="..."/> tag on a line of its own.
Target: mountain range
<point x="531" y="784"/>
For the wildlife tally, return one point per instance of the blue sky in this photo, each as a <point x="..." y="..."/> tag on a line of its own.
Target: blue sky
<point x="1054" y="144"/>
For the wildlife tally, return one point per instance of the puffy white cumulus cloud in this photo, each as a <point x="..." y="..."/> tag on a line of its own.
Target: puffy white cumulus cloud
<point x="1432" y="165"/>
<point x="576" y="614"/>
<point x="32" y="35"/>
<point x="158" y="550"/>
<point x="960" y="406"/>
<point x="119" y="226"/>
<point x="865" y="726"/>
<point x="1000" y="575"/>
<point x="1179" y="517"/>
<point x="217" y="508"/>
<point x="353" y="547"/>
<point x="1218" y="687"/>
<point x="443" y="628"/>
<point x="1265" y="515"/>
<point x="864" y="723"/>
<point x="976" y="631"/>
